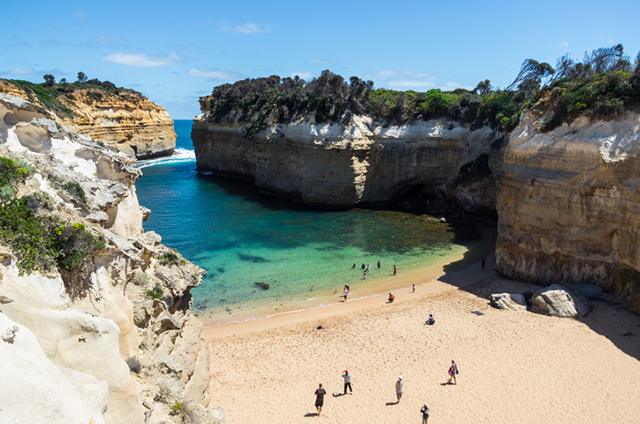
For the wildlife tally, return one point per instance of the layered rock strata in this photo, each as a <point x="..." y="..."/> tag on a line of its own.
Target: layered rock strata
<point x="115" y="342"/>
<point x="127" y="121"/>
<point x="569" y="205"/>
<point x="360" y="162"/>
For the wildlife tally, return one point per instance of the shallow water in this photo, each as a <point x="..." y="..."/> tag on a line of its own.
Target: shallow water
<point x="244" y="240"/>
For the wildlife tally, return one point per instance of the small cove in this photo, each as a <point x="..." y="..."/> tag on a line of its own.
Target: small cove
<point x="246" y="240"/>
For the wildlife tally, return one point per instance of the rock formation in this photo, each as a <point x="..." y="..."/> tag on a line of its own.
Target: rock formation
<point x="127" y="120"/>
<point x="568" y="205"/>
<point x="355" y="162"/>
<point x="560" y="300"/>
<point x="115" y="342"/>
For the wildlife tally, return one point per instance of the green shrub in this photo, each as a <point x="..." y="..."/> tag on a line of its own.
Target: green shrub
<point x="155" y="293"/>
<point x="39" y="199"/>
<point x="30" y="237"/>
<point x="74" y="244"/>
<point x="76" y="191"/>
<point x="171" y="257"/>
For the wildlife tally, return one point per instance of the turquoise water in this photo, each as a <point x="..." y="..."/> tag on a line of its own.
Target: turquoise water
<point x="241" y="237"/>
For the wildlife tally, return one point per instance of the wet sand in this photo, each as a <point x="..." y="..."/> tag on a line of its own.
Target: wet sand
<point x="514" y="366"/>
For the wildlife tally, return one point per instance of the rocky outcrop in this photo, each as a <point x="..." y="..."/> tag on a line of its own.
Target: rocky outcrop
<point x="127" y="120"/>
<point x="569" y="205"/>
<point x="354" y="162"/>
<point x="559" y="300"/>
<point x="511" y="301"/>
<point x="117" y="340"/>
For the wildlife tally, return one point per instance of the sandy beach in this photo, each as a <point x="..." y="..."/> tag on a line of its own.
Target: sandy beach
<point x="514" y="366"/>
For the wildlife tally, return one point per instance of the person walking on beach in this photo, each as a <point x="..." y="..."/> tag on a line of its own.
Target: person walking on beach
<point x="347" y="382"/>
<point x="482" y="264"/>
<point x="399" y="386"/>
<point x="413" y="289"/>
<point x="320" y="392"/>
<point x="346" y="292"/>
<point x="425" y="414"/>
<point x="453" y="370"/>
<point x="395" y="271"/>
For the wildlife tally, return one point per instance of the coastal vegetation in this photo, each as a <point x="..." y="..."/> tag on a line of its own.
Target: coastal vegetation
<point x="59" y="96"/>
<point x="40" y="241"/>
<point x="602" y="85"/>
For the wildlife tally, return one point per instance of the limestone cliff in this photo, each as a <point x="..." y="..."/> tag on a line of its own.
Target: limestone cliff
<point x="569" y="204"/>
<point x="114" y="342"/>
<point x="340" y="165"/>
<point x="123" y="119"/>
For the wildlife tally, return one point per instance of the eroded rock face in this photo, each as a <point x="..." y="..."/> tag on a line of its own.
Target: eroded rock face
<point x="343" y="165"/>
<point x="114" y="344"/>
<point x="569" y="205"/>
<point x="129" y="122"/>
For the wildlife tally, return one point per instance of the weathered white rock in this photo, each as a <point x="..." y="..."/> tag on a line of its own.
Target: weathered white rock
<point x="35" y="390"/>
<point x="512" y="301"/>
<point x="560" y="301"/>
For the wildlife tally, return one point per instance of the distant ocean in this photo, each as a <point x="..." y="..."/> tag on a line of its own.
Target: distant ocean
<point x="241" y="237"/>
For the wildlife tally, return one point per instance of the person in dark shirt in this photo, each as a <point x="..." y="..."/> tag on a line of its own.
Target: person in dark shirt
<point x="425" y="414"/>
<point x="320" y="392"/>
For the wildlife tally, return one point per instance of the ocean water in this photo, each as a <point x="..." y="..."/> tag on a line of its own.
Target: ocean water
<point x="245" y="239"/>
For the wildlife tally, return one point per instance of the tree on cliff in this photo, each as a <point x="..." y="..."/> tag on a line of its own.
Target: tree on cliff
<point x="483" y="87"/>
<point x="49" y="79"/>
<point x="82" y="77"/>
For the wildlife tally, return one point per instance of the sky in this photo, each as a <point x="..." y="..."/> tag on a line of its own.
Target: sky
<point x="175" y="52"/>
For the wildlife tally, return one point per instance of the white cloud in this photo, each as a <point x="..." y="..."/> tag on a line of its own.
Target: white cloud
<point x="143" y="60"/>
<point x="248" y="28"/>
<point x="216" y="74"/>
<point x="79" y="14"/>
<point x="20" y="71"/>
<point x="411" y="84"/>
<point x="303" y="75"/>
<point x="418" y="74"/>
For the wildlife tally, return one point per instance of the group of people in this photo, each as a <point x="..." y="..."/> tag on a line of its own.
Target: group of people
<point x="365" y="268"/>
<point x="321" y="392"/>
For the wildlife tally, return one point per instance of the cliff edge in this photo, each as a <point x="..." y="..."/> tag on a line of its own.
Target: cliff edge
<point x="95" y="318"/>
<point x="568" y="204"/>
<point x="356" y="161"/>
<point x="118" y="117"/>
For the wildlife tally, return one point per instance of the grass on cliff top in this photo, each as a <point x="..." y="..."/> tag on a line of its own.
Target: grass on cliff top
<point x="602" y="85"/>
<point x="329" y="98"/>
<point x="40" y="241"/>
<point x="59" y="97"/>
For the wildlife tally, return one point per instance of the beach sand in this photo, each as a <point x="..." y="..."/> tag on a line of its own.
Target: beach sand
<point x="514" y="366"/>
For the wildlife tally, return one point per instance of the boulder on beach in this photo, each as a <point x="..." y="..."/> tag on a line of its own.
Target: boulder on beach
<point x="511" y="301"/>
<point x="561" y="301"/>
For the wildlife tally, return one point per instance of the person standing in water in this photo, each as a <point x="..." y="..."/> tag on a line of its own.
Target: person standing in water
<point x="378" y="264"/>
<point x="395" y="270"/>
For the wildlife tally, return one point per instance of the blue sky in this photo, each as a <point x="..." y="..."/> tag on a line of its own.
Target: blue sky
<point x="175" y="52"/>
